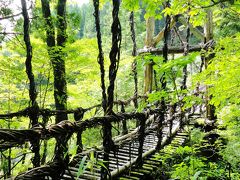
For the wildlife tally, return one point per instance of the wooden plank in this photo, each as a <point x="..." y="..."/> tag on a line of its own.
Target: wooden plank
<point x="154" y="166"/>
<point x="130" y="177"/>
<point x="155" y="163"/>
<point x="134" y="173"/>
<point x="127" y="151"/>
<point x="145" y="154"/>
<point x="70" y="178"/>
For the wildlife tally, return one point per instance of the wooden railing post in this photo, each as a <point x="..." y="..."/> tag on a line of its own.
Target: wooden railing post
<point x="124" y="123"/>
<point x="45" y="119"/>
<point x="160" y="119"/>
<point x="78" y="115"/>
<point x="141" y="137"/>
<point x="107" y="146"/>
<point x="172" y="117"/>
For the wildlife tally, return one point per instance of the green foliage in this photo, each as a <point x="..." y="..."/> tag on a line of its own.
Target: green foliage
<point x="227" y="20"/>
<point x="221" y="75"/>
<point x="196" y="136"/>
<point x="177" y="63"/>
<point x="157" y="96"/>
<point x="131" y="5"/>
<point x="172" y="70"/>
<point x="190" y="168"/>
<point x="89" y="162"/>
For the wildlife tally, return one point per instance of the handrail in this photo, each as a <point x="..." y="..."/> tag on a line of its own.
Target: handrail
<point x="62" y="127"/>
<point x="18" y="137"/>
<point x="50" y="169"/>
<point x="47" y="112"/>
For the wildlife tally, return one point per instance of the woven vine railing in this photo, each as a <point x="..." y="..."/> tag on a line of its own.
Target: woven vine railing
<point x="16" y="138"/>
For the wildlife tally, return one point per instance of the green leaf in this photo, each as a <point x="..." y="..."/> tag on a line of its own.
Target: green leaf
<point x="167" y="11"/>
<point x="81" y="168"/>
<point x="177" y="63"/>
<point x="196" y="175"/>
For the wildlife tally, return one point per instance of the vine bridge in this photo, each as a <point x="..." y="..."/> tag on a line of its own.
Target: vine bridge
<point x="129" y="155"/>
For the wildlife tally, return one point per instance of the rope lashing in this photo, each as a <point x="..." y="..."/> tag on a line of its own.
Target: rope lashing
<point x="78" y="114"/>
<point x="134" y="70"/>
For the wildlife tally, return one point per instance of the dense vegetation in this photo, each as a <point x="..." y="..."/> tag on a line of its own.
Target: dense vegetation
<point x="65" y="73"/>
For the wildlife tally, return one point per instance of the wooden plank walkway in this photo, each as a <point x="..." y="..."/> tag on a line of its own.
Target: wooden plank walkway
<point x="124" y="157"/>
<point x="152" y="163"/>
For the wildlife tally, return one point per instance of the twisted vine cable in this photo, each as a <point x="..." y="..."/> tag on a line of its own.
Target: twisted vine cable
<point x="163" y="79"/>
<point x="101" y="54"/>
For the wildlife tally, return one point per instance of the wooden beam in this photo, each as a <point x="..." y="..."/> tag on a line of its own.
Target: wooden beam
<point x="175" y="50"/>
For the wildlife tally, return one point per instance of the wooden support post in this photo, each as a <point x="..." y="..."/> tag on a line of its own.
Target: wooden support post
<point x="172" y="116"/>
<point x="107" y="147"/>
<point x="141" y="138"/>
<point x="44" y="155"/>
<point x="124" y="123"/>
<point x="160" y="119"/>
<point x="78" y="115"/>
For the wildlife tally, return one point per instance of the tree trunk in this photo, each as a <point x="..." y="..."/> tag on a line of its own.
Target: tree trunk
<point x="148" y="71"/>
<point x="60" y="84"/>
<point x="56" y="54"/>
<point x="208" y="31"/>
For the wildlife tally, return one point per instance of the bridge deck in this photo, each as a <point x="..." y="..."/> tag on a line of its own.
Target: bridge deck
<point x="124" y="157"/>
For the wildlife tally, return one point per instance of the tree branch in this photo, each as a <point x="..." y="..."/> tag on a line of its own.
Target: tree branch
<point x="14" y="15"/>
<point x="10" y="16"/>
<point x="13" y="33"/>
